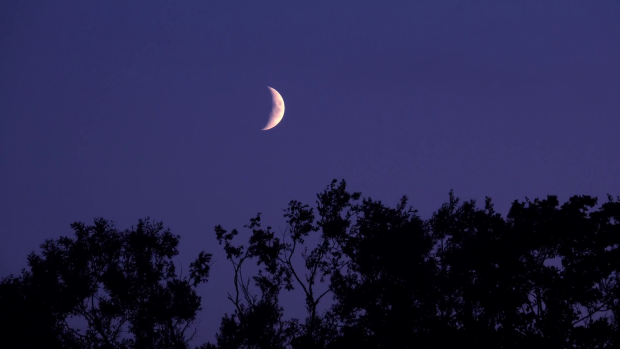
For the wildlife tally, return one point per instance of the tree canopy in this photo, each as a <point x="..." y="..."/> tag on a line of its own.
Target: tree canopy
<point x="371" y="276"/>
<point x="121" y="286"/>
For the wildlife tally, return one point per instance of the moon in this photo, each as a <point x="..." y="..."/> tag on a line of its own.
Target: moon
<point x="277" y="111"/>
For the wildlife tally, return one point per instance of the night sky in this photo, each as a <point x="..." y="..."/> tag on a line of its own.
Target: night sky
<point x="128" y="109"/>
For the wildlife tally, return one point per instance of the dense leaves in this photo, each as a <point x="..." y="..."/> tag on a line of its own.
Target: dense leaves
<point x="546" y="275"/>
<point x="369" y="275"/>
<point x="103" y="289"/>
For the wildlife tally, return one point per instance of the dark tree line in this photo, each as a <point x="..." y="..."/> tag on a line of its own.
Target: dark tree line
<point x="371" y="276"/>
<point x="121" y="286"/>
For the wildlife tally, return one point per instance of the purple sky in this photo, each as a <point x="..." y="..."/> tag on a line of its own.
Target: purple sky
<point x="127" y="109"/>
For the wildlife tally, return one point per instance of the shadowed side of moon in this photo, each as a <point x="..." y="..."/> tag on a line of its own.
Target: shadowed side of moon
<point x="277" y="111"/>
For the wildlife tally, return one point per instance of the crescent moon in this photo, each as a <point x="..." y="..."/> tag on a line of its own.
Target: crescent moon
<point x="277" y="111"/>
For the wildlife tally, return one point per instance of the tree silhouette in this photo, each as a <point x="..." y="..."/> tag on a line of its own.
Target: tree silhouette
<point x="371" y="276"/>
<point x="122" y="285"/>
<point x="546" y="275"/>
<point x="257" y="320"/>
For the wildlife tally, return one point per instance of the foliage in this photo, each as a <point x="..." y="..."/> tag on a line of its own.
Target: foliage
<point x="122" y="285"/>
<point x="371" y="276"/>
<point x="547" y="275"/>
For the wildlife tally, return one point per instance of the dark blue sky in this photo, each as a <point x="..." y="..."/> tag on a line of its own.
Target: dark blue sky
<point x="127" y="109"/>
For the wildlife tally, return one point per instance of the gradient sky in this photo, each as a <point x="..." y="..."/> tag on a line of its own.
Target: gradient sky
<point x="128" y="109"/>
